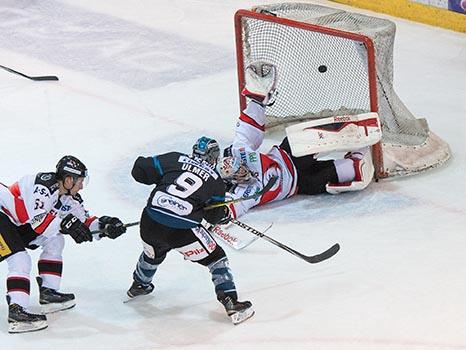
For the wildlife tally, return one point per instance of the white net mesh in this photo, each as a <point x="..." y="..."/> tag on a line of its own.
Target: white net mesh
<point x="322" y="74"/>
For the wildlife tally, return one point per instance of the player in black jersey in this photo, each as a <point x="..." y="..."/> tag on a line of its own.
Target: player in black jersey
<point x="172" y="219"/>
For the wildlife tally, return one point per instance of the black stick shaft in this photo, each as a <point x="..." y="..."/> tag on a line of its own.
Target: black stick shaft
<point x="312" y="259"/>
<point x="125" y="225"/>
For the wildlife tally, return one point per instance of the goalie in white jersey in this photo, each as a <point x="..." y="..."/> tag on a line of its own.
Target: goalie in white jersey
<point x="247" y="171"/>
<point x="37" y="211"/>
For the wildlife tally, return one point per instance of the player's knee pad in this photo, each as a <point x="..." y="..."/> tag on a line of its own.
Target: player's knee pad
<point x="216" y="255"/>
<point x="53" y="248"/>
<point x="19" y="264"/>
<point x="151" y="256"/>
<point x="154" y="261"/>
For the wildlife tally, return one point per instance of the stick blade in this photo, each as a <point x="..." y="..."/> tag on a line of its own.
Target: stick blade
<point x="324" y="255"/>
<point x="45" y="78"/>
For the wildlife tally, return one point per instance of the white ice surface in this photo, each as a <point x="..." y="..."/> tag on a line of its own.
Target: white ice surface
<point x="145" y="77"/>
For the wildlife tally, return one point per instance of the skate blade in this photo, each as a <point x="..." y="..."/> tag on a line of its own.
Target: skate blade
<point x="136" y="298"/>
<point x="242" y="316"/>
<point x="24" y="327"/>
<point x="56" y="307"/>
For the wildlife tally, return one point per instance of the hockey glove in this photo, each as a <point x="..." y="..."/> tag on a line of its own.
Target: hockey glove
<point x="227" y="216"/>
<point x="112" y="226"/>
<point x="261" y="80"/>
<point x="217" y="216"/>
<point x="72" y="226"/>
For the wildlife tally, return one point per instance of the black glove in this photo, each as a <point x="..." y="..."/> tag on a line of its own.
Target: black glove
<point x="72" y="226"/>
<point x="226" y="216"/>
<point x="112" y="226"/>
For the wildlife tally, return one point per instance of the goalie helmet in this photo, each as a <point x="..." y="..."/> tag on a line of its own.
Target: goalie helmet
<point x="207" y="149"/>
<point x="232" y="169"/>
<point x="70" y="166"/>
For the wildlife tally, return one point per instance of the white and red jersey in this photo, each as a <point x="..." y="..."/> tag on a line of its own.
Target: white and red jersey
<point x="249" y="135"/>
<point x="35" y="200"/>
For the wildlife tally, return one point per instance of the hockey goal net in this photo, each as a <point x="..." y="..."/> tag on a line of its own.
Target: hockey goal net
<point x="332" y="62"/>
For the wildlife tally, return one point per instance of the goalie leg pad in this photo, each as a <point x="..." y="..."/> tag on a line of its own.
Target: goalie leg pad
<point x="364" y="173"/>
<point x="334" y="134"/>
<point x="345" y="170"/>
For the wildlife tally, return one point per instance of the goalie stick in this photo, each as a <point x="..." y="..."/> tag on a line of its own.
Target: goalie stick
<point x="38" y="78"/>
<point x="232" y="240"/>
<point x="312" y="259"/>
<point x="265" y="189"/>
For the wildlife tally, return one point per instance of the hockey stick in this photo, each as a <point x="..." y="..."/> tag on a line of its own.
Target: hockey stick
<point x="104" y="231"/>
<point x="313" y="259"/>
<point x="38" y="78"/>
<point x="265" y="189"/>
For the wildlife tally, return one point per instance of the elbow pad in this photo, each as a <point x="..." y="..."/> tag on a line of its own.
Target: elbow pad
<point x="144" y="172"/>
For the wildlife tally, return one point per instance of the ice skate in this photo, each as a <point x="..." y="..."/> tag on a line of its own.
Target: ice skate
<point x="54" y="301"/>
<point x="138" y="289"/>
<point x="21" y="321"/>
<point x="239" y="311"/>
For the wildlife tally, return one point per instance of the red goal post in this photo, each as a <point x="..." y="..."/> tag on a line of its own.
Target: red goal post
<point x="324" y="70"/>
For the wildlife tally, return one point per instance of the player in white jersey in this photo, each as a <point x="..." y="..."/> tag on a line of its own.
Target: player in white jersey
<point x="247" y="171"/>
<point x="37" y="211"/>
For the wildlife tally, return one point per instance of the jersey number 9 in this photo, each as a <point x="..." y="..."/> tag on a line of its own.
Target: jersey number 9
<point x="185" y="185"/>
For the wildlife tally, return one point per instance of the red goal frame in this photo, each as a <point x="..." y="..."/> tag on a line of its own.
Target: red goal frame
<point x="368" y="43"/>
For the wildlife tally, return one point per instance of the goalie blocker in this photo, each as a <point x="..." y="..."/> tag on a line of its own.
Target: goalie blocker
<point x="337" y="134"/>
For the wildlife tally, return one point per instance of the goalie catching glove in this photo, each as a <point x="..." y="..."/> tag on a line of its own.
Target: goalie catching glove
<point x="72" y="226"/>
<point x="261" y="80"/>
<point x="112" y="226"/>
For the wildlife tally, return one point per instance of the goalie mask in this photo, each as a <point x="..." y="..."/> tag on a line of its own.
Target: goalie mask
<point x="231" y="169"/>
<point x="207" y="149"/>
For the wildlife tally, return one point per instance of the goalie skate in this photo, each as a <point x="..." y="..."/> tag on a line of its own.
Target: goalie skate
<point x="21" y="321"/>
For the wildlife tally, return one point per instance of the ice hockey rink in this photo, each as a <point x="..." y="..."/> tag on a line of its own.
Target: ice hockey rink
<point x="145" y="77"/>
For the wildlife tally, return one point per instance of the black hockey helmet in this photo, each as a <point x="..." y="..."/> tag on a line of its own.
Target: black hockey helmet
<point x="70" y="166"/>
<point x="207" y="149"/>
